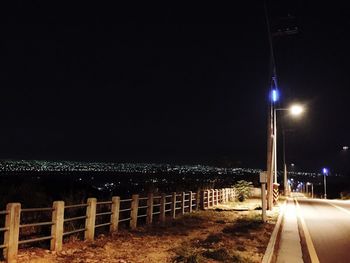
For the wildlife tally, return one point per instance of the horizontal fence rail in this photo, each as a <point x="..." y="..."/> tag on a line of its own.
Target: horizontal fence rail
<point x="64" y="220"/>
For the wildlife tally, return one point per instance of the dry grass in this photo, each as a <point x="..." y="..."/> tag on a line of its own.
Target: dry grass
<point x="204" y="236"/>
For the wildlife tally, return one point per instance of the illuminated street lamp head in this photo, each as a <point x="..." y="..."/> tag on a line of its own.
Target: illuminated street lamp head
<point x="274" y="95"/>
<point x="296" y="110"/>
<point x="325" y="171"/>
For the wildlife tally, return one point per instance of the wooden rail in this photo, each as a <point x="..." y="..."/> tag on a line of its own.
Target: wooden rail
<point x="130" y="210"/>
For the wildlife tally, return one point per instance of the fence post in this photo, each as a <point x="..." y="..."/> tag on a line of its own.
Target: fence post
<point x="216" y="193"/>
<point x="198" y="200"/>
<point x="190" y="202"/>
<point x="213" y="197"/>
<point x="173" y="205"/>
<point x="134" y="211"/>
<point x="162" y="208"/>
<point x="208" y="200"/>
<point x="11" y="237"/>
<point x="183" y="196"/>
<point x="115" y="214"/>
<point x="149" y="218"/>
<point x="57" y="226"/>
<point x="90" y="219"/>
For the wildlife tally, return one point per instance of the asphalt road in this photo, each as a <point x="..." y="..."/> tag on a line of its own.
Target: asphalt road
<point x="328" y="225"/>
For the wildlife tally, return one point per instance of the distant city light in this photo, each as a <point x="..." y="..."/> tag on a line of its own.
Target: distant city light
<point x="345" y="148"/>
<point x="292" y="164"/>
<point x="274" y="95"/>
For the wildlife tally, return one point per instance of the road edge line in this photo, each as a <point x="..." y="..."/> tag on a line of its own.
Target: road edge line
<point x="340" y="208"/>
<point x="270" y="249"/>
<point x="309" y="244"/>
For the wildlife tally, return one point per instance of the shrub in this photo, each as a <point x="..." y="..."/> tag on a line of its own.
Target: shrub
<point x="243" y="189"/>
<point x="186" y="253"/>
<point x="345" y="195"/>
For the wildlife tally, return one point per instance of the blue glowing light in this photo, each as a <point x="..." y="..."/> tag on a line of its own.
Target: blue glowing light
<point x="325" y="171"/>
<point x="274" y="95"/>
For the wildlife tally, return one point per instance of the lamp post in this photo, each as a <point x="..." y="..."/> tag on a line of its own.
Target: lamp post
<point x="312" y="188"/>
<point x="295" y="110"/>
<point x="325" y="172"/>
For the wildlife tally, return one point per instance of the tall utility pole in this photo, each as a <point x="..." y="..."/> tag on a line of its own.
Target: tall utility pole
<point x="269" y="159"/>
<point x="285" y="178"/>
<point x="270" y="122"/>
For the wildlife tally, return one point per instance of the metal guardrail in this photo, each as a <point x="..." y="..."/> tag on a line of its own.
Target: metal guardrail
<point x="104" y="203"/>
<point x="74" y="231"/>
<point x="74" y="218"/>
<point x="37" y="209"/>
<point x="104" y="224"/>
<point x="36" y="224"/>
<point x="3" y="246"/>
<point x="2" y="229"/>
<point x="125" y="200"/>
<point x="103" y="213"/>
<point x="26" y="241"/>
<point x="75" y="206"/>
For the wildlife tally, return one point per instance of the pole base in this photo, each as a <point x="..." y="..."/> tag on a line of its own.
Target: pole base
<point x="275" y="193"/>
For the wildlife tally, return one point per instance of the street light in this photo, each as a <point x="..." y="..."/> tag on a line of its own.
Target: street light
<point x="325" y="172"/>
<point x="295" y="110"/>
<point x="312" y="189"/>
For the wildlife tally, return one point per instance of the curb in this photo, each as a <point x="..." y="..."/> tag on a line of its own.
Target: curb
<point x="269" y="252"/>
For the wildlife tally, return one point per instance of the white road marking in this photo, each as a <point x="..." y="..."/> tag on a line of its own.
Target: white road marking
<point x="309" y="244"/>
<point x="340" y="208"/>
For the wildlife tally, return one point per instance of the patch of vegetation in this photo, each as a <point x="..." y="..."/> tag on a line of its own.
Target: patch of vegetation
<point x="186" y="253"/>
<point x="243" y="190"/>
<point x="211" y="240"/>
<point x="244" y="225"/>
<point x="237" y="258"/>
<point x="345" y="195"/>
<point x="218" y="254"/>
<point x="220" y="221"/>
<point x="223" y="255"/>
<point x="189" y="220"/>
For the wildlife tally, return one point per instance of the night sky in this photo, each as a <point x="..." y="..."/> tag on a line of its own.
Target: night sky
<point x="171" y="83"/>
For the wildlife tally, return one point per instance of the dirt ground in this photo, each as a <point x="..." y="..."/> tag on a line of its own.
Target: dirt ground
<point x="227" y="233"/>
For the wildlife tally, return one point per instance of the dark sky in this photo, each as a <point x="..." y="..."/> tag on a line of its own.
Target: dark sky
<point x="169" y="83"/>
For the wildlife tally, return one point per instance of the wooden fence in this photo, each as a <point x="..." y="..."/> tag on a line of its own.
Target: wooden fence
<point x="130" y="211"/>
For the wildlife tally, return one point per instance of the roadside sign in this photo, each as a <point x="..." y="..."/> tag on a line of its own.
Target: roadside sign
<point x="263" y="177"/>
